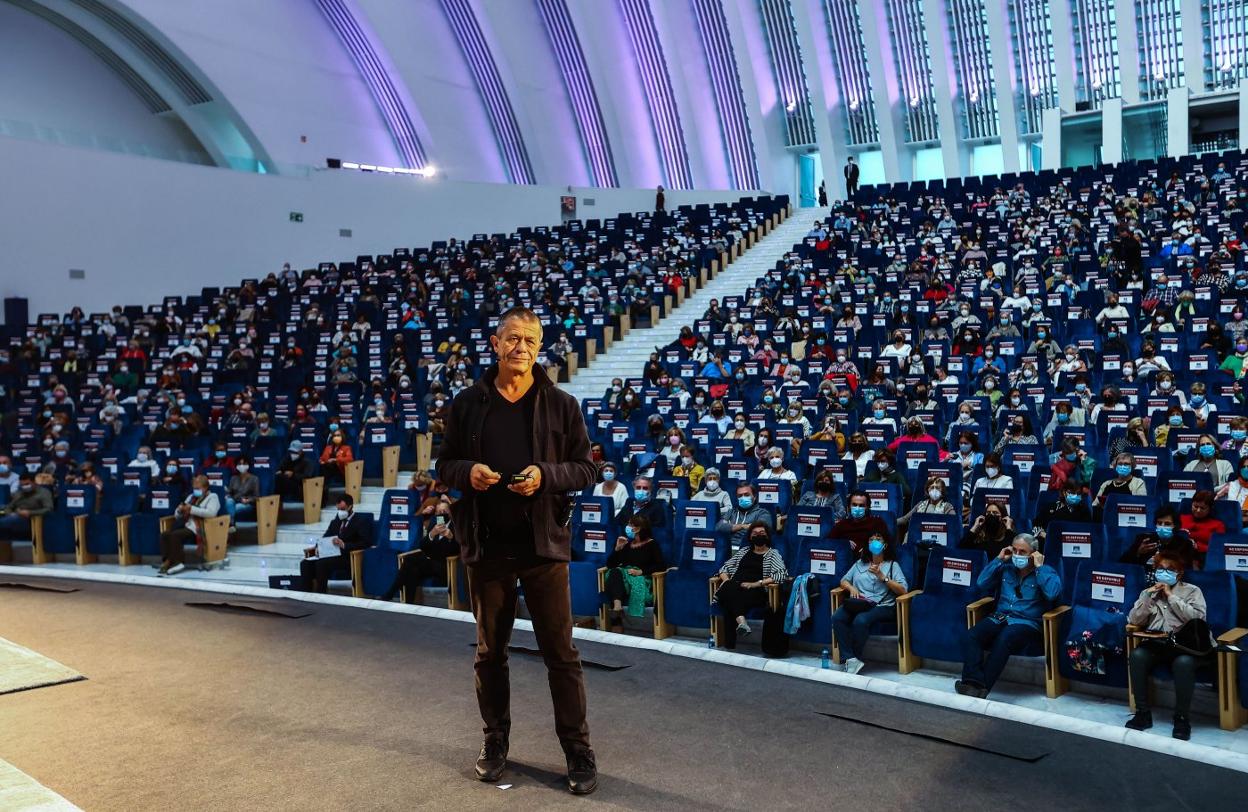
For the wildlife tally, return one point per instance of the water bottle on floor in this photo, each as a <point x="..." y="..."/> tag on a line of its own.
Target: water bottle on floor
<point x="825" y="660"/>
<point x="710" y="641"/>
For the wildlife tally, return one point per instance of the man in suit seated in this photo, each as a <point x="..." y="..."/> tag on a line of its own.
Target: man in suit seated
<point x="349" y="532"/>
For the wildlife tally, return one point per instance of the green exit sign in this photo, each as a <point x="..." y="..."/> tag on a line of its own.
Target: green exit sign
<point x="296" y="217"/>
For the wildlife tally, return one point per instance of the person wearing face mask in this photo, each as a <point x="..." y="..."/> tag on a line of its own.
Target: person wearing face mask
<point x="428" y="560"/>
<point x="1206" y="458"/>
<point x="915" y="433"/>
<point x="644" y="502"/>
<point x="994" y="477"/>
<point x="746" y="511"/>
<point x="885" y="471"/>
<point x="1238" y="439"/>
<point x="264" y="430"/>
<point x="1199" y="522"/>
<point x="717" y="417"/>
<point x="1025" y="589"/>
<point x="9" y="478"/>
<point x="859" y="524"/>
<point x="879" y="415"/>
<point x="871" y="585"/>
<point x="935" y="501"/>
<point x="689" y="468"/>
<point x="348" y="531"/>
<point x="989" y="531"/>
<point x="1070" y="506"/>
<point x="220" y="458"/>
<point x="824" y="494"/>
<point x="611" y="397"/>
<point x="200" y="504"/>
<point x="242" y="490"/>
<point x="1017" y="431"/>
<point x="611" y="487"/>
<point x="1124" y="480"/>
<point x="743" y="581"/>
<point x="292" y="471"/>
<point x="335" y="457"/>
<point x="670" y="449"/>
<point x="1173" y="422"/>
<point x="775" y="470"/>
<point x="713" y="491"/>
<point x="741" y="431"/>
<point x="636" y="557"/>
<point x="1165" y="607"/>
<point x="628" y="403"/>
<point x="1071" y="465"/>
<point x="990" y="388"/>
<point x="144" y="459"/>
<point x="796" y="420"/>
<point x="25" y="502"/>
<point x="1166" y="536"/>
<point x="1201" y="409"/>
<point x="859" y="452"/>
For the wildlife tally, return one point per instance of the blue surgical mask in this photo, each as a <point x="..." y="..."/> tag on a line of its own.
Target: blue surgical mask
<point x="965" y="448"/>
<point x="1176" y="420"/>
<point x="220" y="454"/>
<point x="744" y="502"/>
<point x="1206" y="450"/>
<point x="172" y="469"/>
<point x="1070" y="457"/>
<point x="1167" y="577"/>
<point x="843" y="401"/>
<point x="1197" y="400"/>
<point x="1081" y="387"/>
<point x="198" y="492"/>
<point x="1073" y="499"/>
<point x="641" y="495"/>
<point x="630" y="532"/>
<point x="857" y="511"/>
<point x="1122" y="470"/>
<point x="875" y="546"/>
<point x="607" y="476"/>
<point x="1020" y="561"/>
<point x="1238" y="434"/>
<point x="768" y="399"/>
<point x="879" y="415"/>
<point x="1063" y="417"/>
<point x="1164" y="532"/>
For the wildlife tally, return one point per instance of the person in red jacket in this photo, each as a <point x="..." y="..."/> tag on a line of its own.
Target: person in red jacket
<point x="1200" y="524"/>
<point x="335" y="457"/>
<point x="916" y="434"/>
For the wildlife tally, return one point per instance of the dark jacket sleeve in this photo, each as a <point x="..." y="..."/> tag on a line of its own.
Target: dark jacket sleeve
<point x="575" y="471"/>
<point x="355" y="534"/>
<point x="656" y="563"/>
<point x="454" y="465"/>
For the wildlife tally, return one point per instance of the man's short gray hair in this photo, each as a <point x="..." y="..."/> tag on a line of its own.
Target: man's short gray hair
<point x="1028" y="539"/>
<point x="521" y="313"/>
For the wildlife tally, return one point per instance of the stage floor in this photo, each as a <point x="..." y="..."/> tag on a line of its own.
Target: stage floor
<point x="188" y="708"/>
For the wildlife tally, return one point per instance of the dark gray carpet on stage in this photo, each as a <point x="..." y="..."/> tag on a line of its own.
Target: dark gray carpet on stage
<point x="347" y="709"/>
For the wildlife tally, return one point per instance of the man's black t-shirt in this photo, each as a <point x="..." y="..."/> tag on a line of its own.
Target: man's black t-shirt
<point x="507" y="447"/>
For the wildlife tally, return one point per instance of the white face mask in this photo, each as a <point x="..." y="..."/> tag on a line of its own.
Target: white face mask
<point x="343" y="514"/>
<point x="933" y="494"/>
<point x="776" y="462"/>
<point x="712" y="485"/>
<point x="740" y="424"/>
<point x="991" y="473"/>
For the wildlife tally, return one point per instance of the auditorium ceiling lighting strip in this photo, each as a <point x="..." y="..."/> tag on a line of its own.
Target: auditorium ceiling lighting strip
<point x="853" y="76"/>
<point x="786" y="60"/>
<point x="660" y="98"/>
<point x="490" y="86"/>
<point x="734" y="124"/>
<point x="576" y="79"/>
<point x="378" y="81"/>
<point x="1031" y="33"/>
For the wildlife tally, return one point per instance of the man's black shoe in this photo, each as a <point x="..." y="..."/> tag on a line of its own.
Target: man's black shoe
<point x="1182" y="728"/>
<point x="582" y="772"/>
<point x="1142" y="720"/>
<point x="970" y="689"/>
<point x="492" y="761"/>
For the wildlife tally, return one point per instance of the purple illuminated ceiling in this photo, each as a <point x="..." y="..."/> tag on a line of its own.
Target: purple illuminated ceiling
<point x="726" y="88"/>
<point x="661" y="100"/>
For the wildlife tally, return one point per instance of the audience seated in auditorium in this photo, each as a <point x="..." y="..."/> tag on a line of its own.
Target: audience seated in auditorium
<point x="428" y="560"/>
<point x="242" y="490"/>
<point x="292" y="471"/>
<point x="858" y="527"/>
<point x="348" y="531"/>
<point x="743" y="581"/>
<point x="201" y="503"/>
<point x="634" y="559"/>
<point x="1167" y="536"/>
<point x="746" y="513"/>
<point x="1164" y="608"/>
<point x="872" y="585"/>
<point x="25" y="503"/>
<point x="1025" y="588"/>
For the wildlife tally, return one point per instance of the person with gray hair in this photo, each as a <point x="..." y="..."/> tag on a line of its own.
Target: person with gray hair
<point x="713" y="491"/>
<point x="1025" y="589"/>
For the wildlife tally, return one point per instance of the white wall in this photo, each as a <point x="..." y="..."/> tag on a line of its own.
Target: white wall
<point x="143" y="229"/>
<point x="49" y="79"/>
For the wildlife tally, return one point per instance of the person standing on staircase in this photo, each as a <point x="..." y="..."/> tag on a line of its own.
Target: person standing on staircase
<point x="515" y="445"/>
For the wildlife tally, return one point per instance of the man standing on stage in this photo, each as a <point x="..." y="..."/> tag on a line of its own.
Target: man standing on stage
<point x="515" y="445"/>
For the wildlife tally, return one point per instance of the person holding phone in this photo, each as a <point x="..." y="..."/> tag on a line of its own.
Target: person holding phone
<point x="871" y="585"/>
<point x="515" y="445"/>
<point x="1025" y="589"/>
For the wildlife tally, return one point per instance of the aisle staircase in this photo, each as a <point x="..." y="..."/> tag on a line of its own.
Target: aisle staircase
<point x="629" y="355"/>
